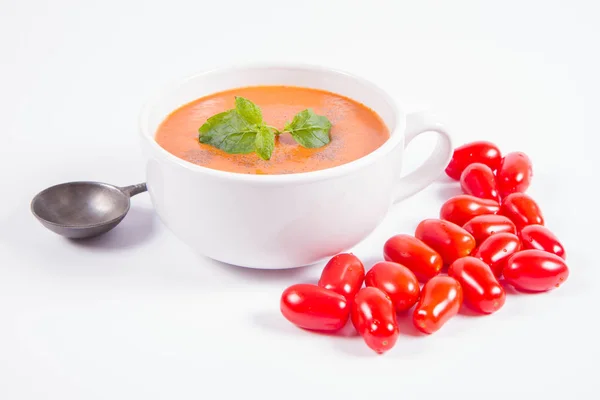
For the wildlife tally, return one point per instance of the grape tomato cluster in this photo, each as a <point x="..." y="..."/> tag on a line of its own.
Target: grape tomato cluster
<point x="491" y="236"/>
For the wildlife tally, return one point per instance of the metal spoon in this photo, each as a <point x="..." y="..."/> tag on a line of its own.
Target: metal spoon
<point x="80" y="210"/>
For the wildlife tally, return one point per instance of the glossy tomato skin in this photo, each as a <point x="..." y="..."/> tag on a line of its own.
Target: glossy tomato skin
<point x="479" y="180"/>
<point x="460" y="209"/>
<point x="476" y="152"/>
<point x="441" y="298"/>
<point x="314" y="308"/>
<point x="449" y="240"/>
<point x="481" y="291"/>
<point x="497" y="249"/>
<point x="344" y="274"/>
<point x="374" y="317"/>
<point x="484" y="226"/>
<point x="415" y="255"/>
<point x="541" y="238"/>
<point x="535" y="271"/>
<point x="522" y="210"/>
<point x="397" y="281"/>
<point x="514" y="174"/>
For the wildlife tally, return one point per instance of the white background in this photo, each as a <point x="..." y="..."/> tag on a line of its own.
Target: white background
<point x="136" y="315"/>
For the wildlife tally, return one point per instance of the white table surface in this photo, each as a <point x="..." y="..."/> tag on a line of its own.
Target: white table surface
<point x="136" y="315"/>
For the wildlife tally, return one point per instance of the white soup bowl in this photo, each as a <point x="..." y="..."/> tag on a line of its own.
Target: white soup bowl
<point x="291" y="220"/>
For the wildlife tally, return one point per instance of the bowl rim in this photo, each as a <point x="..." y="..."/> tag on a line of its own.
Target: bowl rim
<point x="396" y="133"/>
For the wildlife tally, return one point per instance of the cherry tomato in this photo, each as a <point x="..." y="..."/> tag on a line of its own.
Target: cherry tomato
<point x="484" y="226"/>
<point x="539" y="237"/>
<point x="344" y="274"/>
<point x="397" y="281"/>
<point x="497" y="249"/>
<point x="460" y="209"/>
<point x="481" y="290"/>
<point x="514" y="174"/>
<point x="535" y="271"/>
<point x="476" y="152"/>
<point x="448" y="239"/>
<point x="315" y="308"/>
<point x="415" y="255"/>
<point x="374" y="317"/>
<point x="479" y="180"/>
<point x="441" y="298"/>
<point x="522" y="210"/>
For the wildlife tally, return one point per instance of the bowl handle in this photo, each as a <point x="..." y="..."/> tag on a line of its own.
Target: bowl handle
<point x="416" y="124"/>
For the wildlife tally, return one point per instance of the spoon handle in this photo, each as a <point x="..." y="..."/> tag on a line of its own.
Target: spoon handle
<point x="134" y="189"/>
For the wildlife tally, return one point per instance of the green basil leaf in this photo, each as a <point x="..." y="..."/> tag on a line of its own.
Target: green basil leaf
<point x="265" y="142"/>
<point x="309" y="129"/>
<point x="230" y="132"/>
<point x="248" y="110"/>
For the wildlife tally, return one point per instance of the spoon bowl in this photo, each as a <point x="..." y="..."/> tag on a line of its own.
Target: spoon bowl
<point x="80" y="210"/>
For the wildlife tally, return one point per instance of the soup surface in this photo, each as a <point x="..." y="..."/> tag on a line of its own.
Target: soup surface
<point x="356" y="130"/>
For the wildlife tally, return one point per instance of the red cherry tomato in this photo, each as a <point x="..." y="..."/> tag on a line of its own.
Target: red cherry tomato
<point x="441" y="298"/>
<point x="344" y="274"/>
<point x="535" y="271"/>
<point x="448" y="239"/>
<point x="397" y="281"/>
<point x="460" y="209"/>
<point x="476" y="152"/>
<point x="481" y="290"/>
<point x="539" y="237"/>
<point x="374" y="317"/>
<point x="514" y="174"/>
<point x="484" y="226"/>
<point x="415" y="255"/>
<point x="497" y="249"/>
<point x="478" y="180"/>
<point x="522" y="210"/>
<point x="315" y="308"/>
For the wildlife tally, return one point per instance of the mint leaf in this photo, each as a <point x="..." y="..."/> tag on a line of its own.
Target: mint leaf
<point x="309" y="129"/>
<point x="248" y="110"/>
<point x="264" y="142"/>
<point x="242" y="130"/>
<point x="230" y="132"/>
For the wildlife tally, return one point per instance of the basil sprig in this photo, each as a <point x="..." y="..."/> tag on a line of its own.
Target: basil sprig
<point x="242" y="130"/>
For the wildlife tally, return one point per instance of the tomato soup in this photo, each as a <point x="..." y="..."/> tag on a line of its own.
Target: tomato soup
<point x="356" y="130"/>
